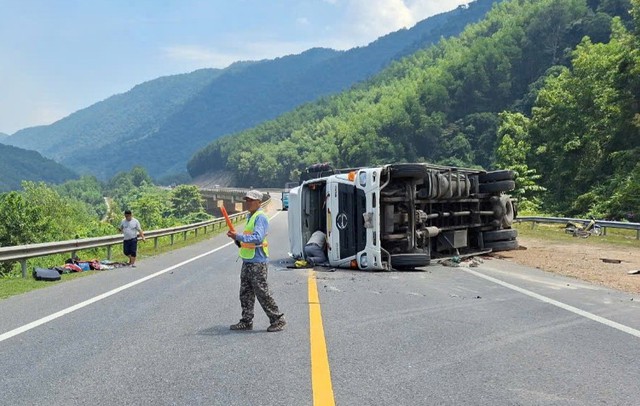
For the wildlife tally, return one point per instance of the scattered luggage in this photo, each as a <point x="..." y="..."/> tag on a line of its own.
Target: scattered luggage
<point x="44" y="274"/>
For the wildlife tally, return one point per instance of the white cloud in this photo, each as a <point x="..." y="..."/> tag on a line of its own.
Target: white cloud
<point x="421" y="9"/>
<point x="373" y="18"/>
<point x="217" y="57"/>
<point x="367" y="20"/>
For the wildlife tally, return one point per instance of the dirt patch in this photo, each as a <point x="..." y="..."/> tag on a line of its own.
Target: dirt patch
<point x="582" y="260"/>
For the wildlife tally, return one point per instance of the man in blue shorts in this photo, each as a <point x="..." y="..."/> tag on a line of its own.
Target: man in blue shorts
<point x="130" y="227"/>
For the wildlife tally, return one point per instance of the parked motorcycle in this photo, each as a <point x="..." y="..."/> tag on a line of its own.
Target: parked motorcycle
<point x="578" y="229"/>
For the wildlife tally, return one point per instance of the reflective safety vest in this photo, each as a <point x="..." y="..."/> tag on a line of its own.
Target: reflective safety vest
<point x="248" y="250"/>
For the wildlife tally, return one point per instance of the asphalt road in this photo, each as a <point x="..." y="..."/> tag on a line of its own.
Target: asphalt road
<point x="498" y="334"/>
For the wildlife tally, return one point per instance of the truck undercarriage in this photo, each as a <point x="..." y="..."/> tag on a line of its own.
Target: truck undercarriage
<point x="430" y="212"/>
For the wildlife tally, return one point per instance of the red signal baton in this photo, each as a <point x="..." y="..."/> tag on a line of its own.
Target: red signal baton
<point x="227" y="219"/>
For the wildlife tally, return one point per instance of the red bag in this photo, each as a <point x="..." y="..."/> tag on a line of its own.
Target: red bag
<point x="73" y="267"/>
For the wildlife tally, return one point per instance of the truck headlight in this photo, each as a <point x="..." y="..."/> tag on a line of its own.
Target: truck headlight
<point x="364" y="262"/>
<point x="362" y="179"/>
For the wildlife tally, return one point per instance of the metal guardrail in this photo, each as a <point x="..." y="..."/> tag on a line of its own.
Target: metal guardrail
<point x="23" y="252"/>
<point x="564" y="220"/>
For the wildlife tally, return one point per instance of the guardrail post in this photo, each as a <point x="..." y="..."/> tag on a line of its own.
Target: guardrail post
<point x="155" y="243"/>
<point x="109" y="252"/>
<point x="196" y="232"/>
<point x="184" y="235"/>
<point x="533" y="225"/>
<point x="604" y="231"/>
<point x="638" y="234"/>
<point x="172" y="238"/>
<point x="23" y="264"/>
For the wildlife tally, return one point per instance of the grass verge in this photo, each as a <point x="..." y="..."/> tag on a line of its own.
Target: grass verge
<point x="15" y="284"/>
<point x="555" y="232"/>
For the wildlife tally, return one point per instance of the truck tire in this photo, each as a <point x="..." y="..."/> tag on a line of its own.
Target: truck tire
<point x="412" y="171"/>
<point x="509" y="211"/>
<point x="409" y="261"/>
<point x="500" y="186"/>
<point x="496" y="176"/>
<point x="499" y="235"/>
<point x="502" y="245"/>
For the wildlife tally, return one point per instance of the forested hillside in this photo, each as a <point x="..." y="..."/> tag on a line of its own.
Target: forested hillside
<point x="17" y="164"/>
<point x="161" y="123"/>
<point x="537" y="85"/>
<point x="77" y="209"/>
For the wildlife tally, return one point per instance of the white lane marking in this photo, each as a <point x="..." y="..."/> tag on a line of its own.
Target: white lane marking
<point x="105" y="295"/>
<point x="575" y="285"/>
<point x="580" y="312"/>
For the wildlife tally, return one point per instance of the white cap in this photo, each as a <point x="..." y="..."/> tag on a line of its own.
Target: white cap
<point x="254" y="195"/>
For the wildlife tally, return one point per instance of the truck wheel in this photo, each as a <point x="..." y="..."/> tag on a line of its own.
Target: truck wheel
<point x="509" y="211"/>
<point x="500" y="186"/>
<point x="499" y="235"/>
<point x="409" y="261"/>
<point x="496" y="176"/>
<point x="502" y="245"/>
<point x="413" y="171"/>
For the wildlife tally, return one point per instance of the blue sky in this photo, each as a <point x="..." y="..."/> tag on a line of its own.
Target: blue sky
<point x="59" y="56"/>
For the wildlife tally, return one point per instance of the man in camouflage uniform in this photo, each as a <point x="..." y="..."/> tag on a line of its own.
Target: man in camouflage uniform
<point x="254" y="251"/>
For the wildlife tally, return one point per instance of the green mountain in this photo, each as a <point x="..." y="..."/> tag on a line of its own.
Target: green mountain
<point x="17" y="164"/>
<point x="112" y="123"/>
<point x="502" y="94"/>
<point x="161" y="123"/>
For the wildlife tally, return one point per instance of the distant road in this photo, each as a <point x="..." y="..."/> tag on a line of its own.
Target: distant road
<point x="499" y="334"/>
<point x="107" y="202"/>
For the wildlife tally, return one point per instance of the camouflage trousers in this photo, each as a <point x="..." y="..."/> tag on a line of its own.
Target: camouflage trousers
<point x="253" y="284"/>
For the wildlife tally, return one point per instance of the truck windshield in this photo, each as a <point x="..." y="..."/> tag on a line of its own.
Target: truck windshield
<point x="350" y="220"/>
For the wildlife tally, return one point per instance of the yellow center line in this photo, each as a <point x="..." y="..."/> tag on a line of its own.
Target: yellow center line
<point x="320" y="373"/>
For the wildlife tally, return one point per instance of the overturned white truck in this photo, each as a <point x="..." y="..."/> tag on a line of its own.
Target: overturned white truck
<point x="402" y="216"/>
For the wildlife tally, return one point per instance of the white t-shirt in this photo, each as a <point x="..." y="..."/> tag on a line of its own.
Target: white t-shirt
<point x="130" y="228"/>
